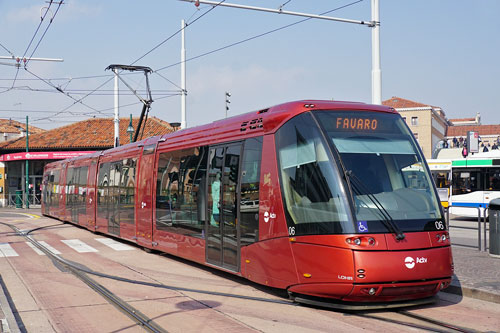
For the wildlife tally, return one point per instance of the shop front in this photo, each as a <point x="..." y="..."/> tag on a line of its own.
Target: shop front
<point x="14" y="191"/>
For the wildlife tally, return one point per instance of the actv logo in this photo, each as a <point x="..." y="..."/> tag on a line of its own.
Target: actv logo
<point x="410" y="262"/>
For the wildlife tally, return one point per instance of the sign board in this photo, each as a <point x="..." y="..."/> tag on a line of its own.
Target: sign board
<point x="56" y="155"/>
<point x="473" y="142"/>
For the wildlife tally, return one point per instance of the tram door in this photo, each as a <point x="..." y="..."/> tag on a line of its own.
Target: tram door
<point x="144" y="201"/>
<point x="222" y="242"/>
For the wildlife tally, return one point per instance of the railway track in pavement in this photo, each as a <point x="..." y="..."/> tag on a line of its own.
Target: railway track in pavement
<point x="145" y="322"/>
<point x="398" y="317"/>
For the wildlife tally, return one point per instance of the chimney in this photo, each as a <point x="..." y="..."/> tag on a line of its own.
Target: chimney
<point x="478" y="118"/>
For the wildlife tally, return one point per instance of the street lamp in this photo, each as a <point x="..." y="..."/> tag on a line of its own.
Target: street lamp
<point x="130" y="128"/>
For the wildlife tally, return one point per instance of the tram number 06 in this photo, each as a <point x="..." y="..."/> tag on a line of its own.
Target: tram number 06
<point x="439" y="225"/>
<point x="291" y="231"/>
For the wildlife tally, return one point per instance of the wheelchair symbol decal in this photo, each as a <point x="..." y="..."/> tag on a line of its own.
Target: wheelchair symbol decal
<point x="362" y="226"/>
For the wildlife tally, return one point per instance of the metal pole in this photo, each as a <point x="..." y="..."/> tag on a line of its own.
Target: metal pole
<point x="376" y="71"/>
<point x="27" y="167"/>
<point x="117" y="111"/>
<point x="183" y="76"/>
<point x="132" y="132"/>
<point x="484" y="226"/>
<point x="479" y="228"/>
<point x="374" y="24"/>
<point x="279" y="11"/>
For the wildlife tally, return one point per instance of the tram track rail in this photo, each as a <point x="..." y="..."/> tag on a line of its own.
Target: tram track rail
<point x="431" y="324"/>
<point x="138" y="317"/>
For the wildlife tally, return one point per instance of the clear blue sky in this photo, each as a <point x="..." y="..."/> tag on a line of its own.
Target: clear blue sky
<point x="444" y="53"/>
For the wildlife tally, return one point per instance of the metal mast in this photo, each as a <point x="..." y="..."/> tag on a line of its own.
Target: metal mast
<point x="374" y="24"/>
<point x="183" y="76"/>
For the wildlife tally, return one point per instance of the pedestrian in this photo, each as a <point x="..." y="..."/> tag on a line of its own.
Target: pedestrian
<point x="485" y="149"/>
<point x="455" y="142"/>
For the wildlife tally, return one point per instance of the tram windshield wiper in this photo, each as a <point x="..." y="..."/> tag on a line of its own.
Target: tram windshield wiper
<point x="360" y="189"/>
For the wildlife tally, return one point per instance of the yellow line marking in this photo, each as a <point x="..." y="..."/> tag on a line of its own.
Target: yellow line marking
<point x="33" y="216"/>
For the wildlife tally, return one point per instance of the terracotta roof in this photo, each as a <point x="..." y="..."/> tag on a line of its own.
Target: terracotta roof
<point x="400" y="103"/>
<point x="12" y="126"/>
<point x="481" y="129"/>
<point x="90" y="134"/>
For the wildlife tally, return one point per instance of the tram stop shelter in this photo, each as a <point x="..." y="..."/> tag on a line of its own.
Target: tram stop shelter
<point x="72" y="140"/>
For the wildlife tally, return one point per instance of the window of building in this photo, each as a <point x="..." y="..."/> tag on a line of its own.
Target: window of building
<point x="414" y="121"/>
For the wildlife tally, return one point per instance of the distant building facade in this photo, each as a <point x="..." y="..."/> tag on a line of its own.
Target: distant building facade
<point x="466" y="121"/>
<point x="428" y="123"/>
<point x="64" y="142"/>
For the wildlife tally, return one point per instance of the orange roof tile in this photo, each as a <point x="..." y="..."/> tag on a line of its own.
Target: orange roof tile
<point x="12" y="126"/>
<point x="96" y="133"/>
<point x="481" y="129"/>
<point x="400" y="103"/>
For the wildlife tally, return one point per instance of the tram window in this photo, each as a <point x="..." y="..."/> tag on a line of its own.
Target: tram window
<point x="250" y="180"/>
<point x="114" y="193"/>
<point x="103" y="191"/>
<point x="69" y="187"/>
<point x="82" y="189"/>
<point x="313" y="198"/>
<point x="55" y="189"/>
<point x="180" y="194"/>
<point x="127" y="191"/>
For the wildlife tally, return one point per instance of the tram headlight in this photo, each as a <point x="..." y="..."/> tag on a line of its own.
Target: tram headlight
<point x="357" y="241"/>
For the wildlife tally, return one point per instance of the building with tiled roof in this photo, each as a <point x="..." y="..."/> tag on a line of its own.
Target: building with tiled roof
<point x="488" y="134"/>
<point x="428" y="123"/>
<point x="90" y="134"/>
<point x="68" y="141"/>
<point x="11" y="129"/>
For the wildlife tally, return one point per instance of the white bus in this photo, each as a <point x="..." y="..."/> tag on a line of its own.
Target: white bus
<point x="472" y="182"/>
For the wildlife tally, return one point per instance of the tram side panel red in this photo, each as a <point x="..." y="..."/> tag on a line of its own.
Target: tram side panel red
<point x="272" y="221"/>
<point x="270" y="261"/>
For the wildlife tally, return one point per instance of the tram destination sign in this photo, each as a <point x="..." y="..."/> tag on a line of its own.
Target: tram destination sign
<point x="356" y="123"/>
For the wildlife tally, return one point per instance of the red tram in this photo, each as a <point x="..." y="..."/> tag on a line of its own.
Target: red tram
<point x="328" y="200"/>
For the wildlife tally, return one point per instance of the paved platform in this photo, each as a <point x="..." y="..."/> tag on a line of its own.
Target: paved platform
<point x="477" y="275"/>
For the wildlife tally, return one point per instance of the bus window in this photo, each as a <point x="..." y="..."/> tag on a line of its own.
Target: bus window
<point x="466" y="181"/>
<point x="493" y="180"/>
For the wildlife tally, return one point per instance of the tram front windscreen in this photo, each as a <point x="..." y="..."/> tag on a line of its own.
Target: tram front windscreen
<point x="354" y="171"/>
<point x="385" y="170"/>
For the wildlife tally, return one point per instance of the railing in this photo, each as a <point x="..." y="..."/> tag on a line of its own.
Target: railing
<point x="481" y="218"/>
<point x="15" y="199"/>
